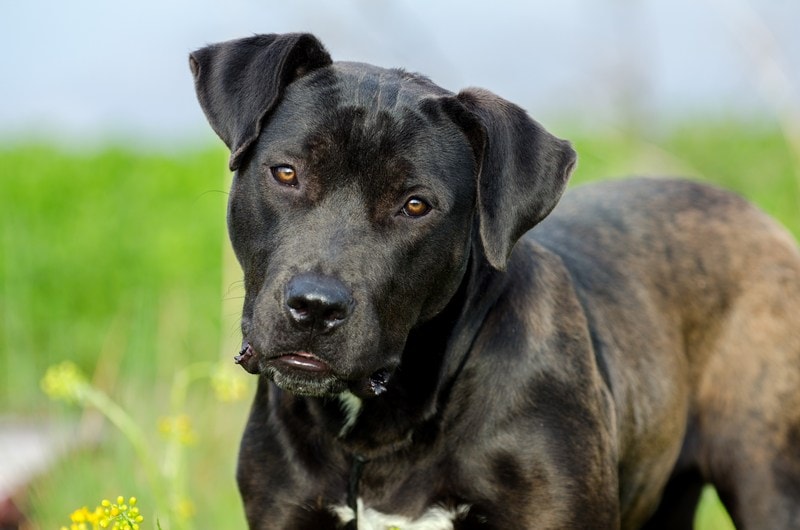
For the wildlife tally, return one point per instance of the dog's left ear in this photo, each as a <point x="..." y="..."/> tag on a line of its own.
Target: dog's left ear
<point x="523" y="170"/>
<point x="239" y="82"/>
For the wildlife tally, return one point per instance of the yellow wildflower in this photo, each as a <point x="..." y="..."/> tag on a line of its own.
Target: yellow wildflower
<point x="117" y="516"/>
<point x="184" y="509"/>
<point x="64" y="381"/>
<point x="178" y="427"/>
<point x="228" y="384"/>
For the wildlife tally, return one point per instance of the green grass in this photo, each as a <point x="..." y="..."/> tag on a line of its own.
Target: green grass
<point x="116" y="260"/>
<point x="112" y="242"/>
<point x="753" y="160"/>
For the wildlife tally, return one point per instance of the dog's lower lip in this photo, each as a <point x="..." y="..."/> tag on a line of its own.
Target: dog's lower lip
<point x="302" y="361"/>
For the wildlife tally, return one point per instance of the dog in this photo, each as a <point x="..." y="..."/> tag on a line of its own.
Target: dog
<point x="428" y="359"/>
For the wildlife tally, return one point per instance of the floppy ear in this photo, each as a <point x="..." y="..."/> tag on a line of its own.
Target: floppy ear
<point x="239" y="82"/>
<point x="523" y="170"/>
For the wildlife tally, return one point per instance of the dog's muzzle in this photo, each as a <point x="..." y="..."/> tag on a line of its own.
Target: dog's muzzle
<point x="315" y="304"/>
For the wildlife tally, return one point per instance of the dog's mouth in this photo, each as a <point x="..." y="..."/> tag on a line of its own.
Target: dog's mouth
<point x="304" y="373"/>
<point x="300" y="361"/>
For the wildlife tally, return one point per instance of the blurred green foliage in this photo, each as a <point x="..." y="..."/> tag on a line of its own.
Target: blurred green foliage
<point x="90" y="239"/>
<point x="754" y="160"/>
<point x="114" y="259"/>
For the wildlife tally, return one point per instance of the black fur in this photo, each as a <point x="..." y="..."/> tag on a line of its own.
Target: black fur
<point x="524" y="381"/>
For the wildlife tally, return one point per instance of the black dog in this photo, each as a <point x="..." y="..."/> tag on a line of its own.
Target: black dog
<point x="427" y="364"/>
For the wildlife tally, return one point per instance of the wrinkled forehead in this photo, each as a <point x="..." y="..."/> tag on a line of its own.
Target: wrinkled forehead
<point x="380" y="88"/>
<point x="366" y="122"/>
<point x="364" y="85"/>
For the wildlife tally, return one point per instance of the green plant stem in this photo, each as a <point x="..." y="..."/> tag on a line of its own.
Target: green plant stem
<point x="184" y="378"/>
<point x="125" y="423"/>
<point x="174" y="454"/>
<point x="178" y="393"/>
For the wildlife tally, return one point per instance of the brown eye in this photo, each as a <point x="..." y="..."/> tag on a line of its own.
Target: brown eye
<point x="415" y="207"/>
<point x="284" y="174"/>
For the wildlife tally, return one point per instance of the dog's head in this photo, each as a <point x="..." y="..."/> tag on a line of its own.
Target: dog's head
<point x="359" y="195"/>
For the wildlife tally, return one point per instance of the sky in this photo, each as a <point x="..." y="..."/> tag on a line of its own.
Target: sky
<point x="91" y="70"/>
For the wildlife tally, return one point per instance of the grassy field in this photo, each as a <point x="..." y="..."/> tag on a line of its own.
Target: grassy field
<point x="118" y="260"/>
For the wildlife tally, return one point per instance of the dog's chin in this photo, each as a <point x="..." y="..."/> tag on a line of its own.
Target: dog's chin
<point x="303" y="383"/>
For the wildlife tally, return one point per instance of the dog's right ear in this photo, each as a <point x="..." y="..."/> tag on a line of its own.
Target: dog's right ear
<point x="239" y="82"/>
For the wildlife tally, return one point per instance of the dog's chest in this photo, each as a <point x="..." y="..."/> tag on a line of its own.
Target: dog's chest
<point x="435" y="518"/>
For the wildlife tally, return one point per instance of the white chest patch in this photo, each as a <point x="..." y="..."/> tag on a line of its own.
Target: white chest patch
<point x="435" y="518"/>
<point x="351" y="406"/>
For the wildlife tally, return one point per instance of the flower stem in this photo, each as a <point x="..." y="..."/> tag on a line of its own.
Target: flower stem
<point x="125" y="423"/>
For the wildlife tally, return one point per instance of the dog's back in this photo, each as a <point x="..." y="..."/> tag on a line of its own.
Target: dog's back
<point x="727" y="278"/>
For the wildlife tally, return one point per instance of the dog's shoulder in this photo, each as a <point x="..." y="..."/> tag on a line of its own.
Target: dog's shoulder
<point x="536" y="331"/>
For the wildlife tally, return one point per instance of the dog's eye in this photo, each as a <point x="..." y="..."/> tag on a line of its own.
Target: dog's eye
<point x="284" y="174"/>
<point x="415" y="207"/>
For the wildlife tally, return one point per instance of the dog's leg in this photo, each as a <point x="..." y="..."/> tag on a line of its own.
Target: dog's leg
<point x="679" y="502"/>
<point x="748" y="401"/>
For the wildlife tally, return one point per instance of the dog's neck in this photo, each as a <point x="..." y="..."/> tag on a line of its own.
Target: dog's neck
<point x="410" y="409"/>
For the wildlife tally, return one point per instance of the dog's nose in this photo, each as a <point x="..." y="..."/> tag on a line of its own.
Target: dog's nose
<point x="318" y="302"/>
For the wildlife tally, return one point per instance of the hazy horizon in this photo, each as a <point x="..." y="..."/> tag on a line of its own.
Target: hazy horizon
<point x="93" y="70"/>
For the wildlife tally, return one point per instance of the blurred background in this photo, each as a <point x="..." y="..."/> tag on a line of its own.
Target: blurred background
<point x="113" y="253"/>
